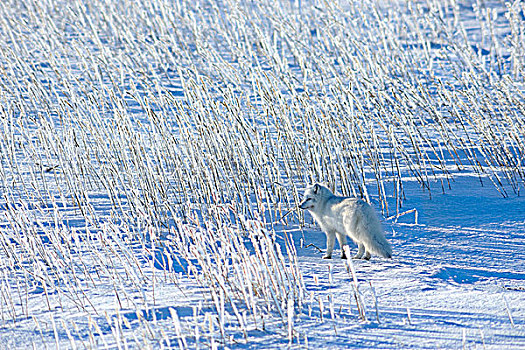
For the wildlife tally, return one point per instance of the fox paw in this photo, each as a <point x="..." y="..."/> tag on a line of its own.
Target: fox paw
<point x="327" y="257"/>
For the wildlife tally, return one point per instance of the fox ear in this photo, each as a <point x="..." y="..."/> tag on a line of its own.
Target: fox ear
<point x="316" y="188"/>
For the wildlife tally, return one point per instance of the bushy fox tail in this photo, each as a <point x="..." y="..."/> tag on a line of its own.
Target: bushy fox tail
<point x="375" y="238"/>
<point x="381" y="247"/>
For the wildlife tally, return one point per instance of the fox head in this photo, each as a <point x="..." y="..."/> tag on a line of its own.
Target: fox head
<point x="313" y="195"/>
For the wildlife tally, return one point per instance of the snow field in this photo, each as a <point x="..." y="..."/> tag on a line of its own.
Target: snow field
<point x="153" y="155"/>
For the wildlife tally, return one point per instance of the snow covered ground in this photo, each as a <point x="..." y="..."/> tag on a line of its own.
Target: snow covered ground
<point x="455" y="277"/>
<point x="153" y="154"/>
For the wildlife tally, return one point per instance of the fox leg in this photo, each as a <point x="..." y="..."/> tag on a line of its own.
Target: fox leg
<point x="330" y="241"/>
<point x="360" y="251"/>
<point x="367" y="255"/>
<point x="341" y="238"/>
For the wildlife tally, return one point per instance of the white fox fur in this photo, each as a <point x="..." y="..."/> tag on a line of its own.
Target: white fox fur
<point x="346" y="216"/>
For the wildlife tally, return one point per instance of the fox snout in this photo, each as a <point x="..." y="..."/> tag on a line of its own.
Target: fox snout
<point x="305" y="204"/>
<point x="311" y="197"/>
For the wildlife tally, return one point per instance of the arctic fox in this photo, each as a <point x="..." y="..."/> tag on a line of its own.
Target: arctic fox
<point x="346" y="216"/>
